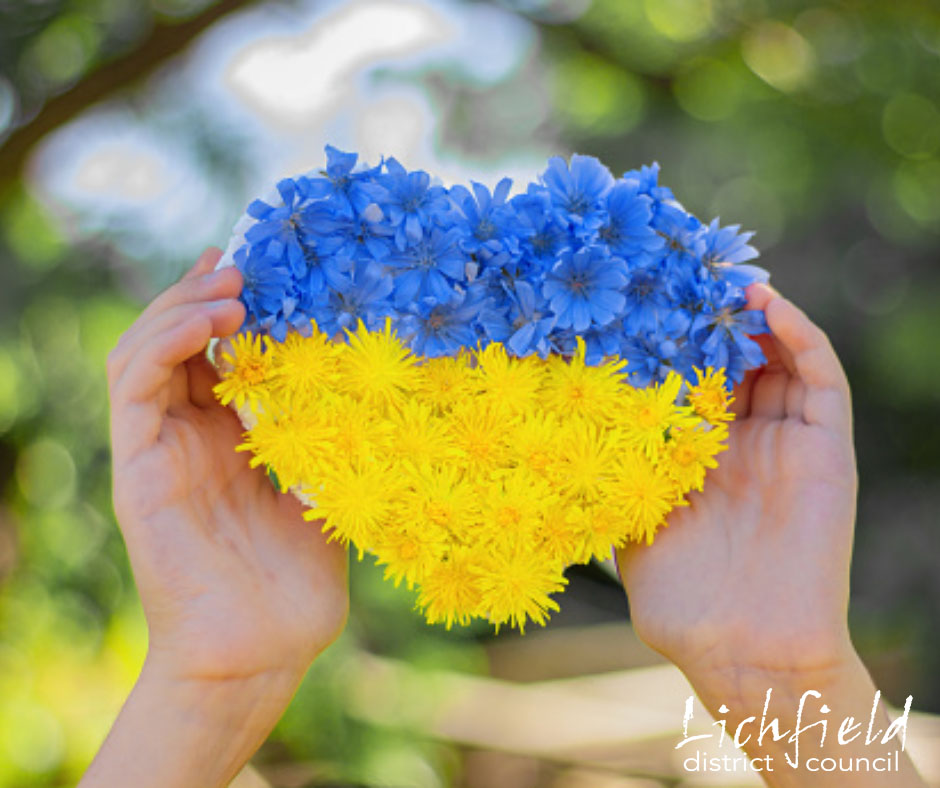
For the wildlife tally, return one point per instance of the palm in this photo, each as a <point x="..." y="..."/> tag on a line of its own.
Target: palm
<point x="230" y="574"/>
<point x="757" y="565"/>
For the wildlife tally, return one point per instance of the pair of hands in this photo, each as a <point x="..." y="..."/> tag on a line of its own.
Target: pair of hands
<point x="750" y="580"/>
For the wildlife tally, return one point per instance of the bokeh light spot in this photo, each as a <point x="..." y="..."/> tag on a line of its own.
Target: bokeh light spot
<point x="46" y="474"/>
<point x="595" y="96"/>
<point x="779" y="55"/>
<point x="917" y="185"/>
<point x="680" y="20"/>
<point x="708" y="89"/>
<point x="911" y="125"/>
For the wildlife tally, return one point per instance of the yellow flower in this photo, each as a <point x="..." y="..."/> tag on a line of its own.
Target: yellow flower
<point x="451" y="590"/>
<point x="641" y="492"/>
<point x="440" y="500"/>
<point x="534" y="443"/>
<point x="304" y="367"/>
<point x="505" y="383"/>
<point x="651" y="412"/>
<point x="572" y="388"/>
<point x="362" y="432"/>
<point x="443" y="382"/>
<point x="377" y="367"/>
<point x="515" y="587"/>
<point x="585" y="458"/>
<point x="419" y="436"/>
<point x="513" y="508"/>
<point x="248" y="376"/>
<point x="479" y="434"/>
<point x="599" y="528"/>
<point x="409" y="550"/>
<point x="295" y="446"/>
<point x="709" y="396"/>
<point x="690" y="452"/>
<point x="354" y="501"/>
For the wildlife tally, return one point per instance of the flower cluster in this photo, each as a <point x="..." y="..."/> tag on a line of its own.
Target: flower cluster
<point x="580" y="255"/>
<point x="475" y="477"/>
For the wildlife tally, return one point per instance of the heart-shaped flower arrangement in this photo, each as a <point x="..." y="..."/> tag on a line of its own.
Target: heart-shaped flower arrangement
<point x="478" y="389"/>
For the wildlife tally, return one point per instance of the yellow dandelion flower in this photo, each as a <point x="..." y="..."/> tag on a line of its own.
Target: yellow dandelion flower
<point x="377" y="367"/>
<point x="419" y="436"/>
<point x="303" y="367"/>
<point x="362" y="432"/>
<point x="295" y="446"/>
<point x="709" y="396"/>
<point x="508" y="383"/>
<point x="689" y="452"/>
<point x="534" y="443"/>
<point x="599" y="527"/>
<point x="515" y="587"/>
<point x="479" y="434"/>
<point x="651" y="412"/>
<point x="513" y="509"/>
<point x="451" y="590"/>
<point x="443" y="382"/>
<point x="560" y="538"/>
<point x="440" y="500"/>
<point x="246" y="372"/>
<point x="572" y="388"/>
<point x="585" y="458"/>
<point x="642" y="493"/>
<point x="409" y="551"/>
<point x="355" y="501"/>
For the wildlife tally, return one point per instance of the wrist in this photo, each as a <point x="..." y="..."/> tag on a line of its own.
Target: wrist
<point x="179" y="732"/>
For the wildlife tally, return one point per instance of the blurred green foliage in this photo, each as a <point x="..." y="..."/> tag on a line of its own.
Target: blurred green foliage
<point x="816" y="124"/>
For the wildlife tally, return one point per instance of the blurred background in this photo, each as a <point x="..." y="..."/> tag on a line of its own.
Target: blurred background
<point x="134" y="132"/>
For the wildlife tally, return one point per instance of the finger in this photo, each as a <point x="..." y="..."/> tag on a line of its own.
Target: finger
<point x="136" y="419"/>
<point x="205" y="264"/>
<point x="741" y="404"/>
<point x="202" y="378"/>
<point x="224" y="284"/>
<point x="152" y="355"/>
<point x="768" y="399"/>
<point x="826" y="398"/>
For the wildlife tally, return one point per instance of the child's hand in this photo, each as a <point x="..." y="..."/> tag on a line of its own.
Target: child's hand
<point x="233" y="581"/>
<point x="240" y="593"/>
<point x="748" y="588"/>
<point x="753" y="576"/>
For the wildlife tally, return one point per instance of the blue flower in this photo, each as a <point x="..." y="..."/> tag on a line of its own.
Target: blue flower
<point x="646" y="300"/>
<point x="266" y="283"/>
<point x="578" y="192"/>
<point x="340" y="184"/>
<point x="484" y="218"/>
<point x="724" y="332"/>
<point x="542" y="235"/>
<point x="276" y="232"/>
<point x="523" y="321"/>
<point x="361" y="234"/>
<point x="584" y="288"/>
<point x="428" y="266"/>
<point x="364" y="296"/>
<point x="723" y="249"/>
<point x="627" y="230"/>
<point x="433" y="328"/>
<point x="410" y="202"/>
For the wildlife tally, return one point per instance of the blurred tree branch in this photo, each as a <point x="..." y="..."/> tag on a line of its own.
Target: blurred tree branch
<point x="164" y="40"/>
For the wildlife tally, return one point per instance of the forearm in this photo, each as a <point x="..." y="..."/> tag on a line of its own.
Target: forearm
<point x="796" y="758"/>
<point x="181" y="733"/>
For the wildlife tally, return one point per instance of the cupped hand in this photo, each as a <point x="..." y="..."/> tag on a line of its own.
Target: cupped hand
<point x="234" y="583"/>
<point x="752" y="578"/>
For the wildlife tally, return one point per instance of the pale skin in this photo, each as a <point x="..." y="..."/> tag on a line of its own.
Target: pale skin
<point x="241" y="594"/>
